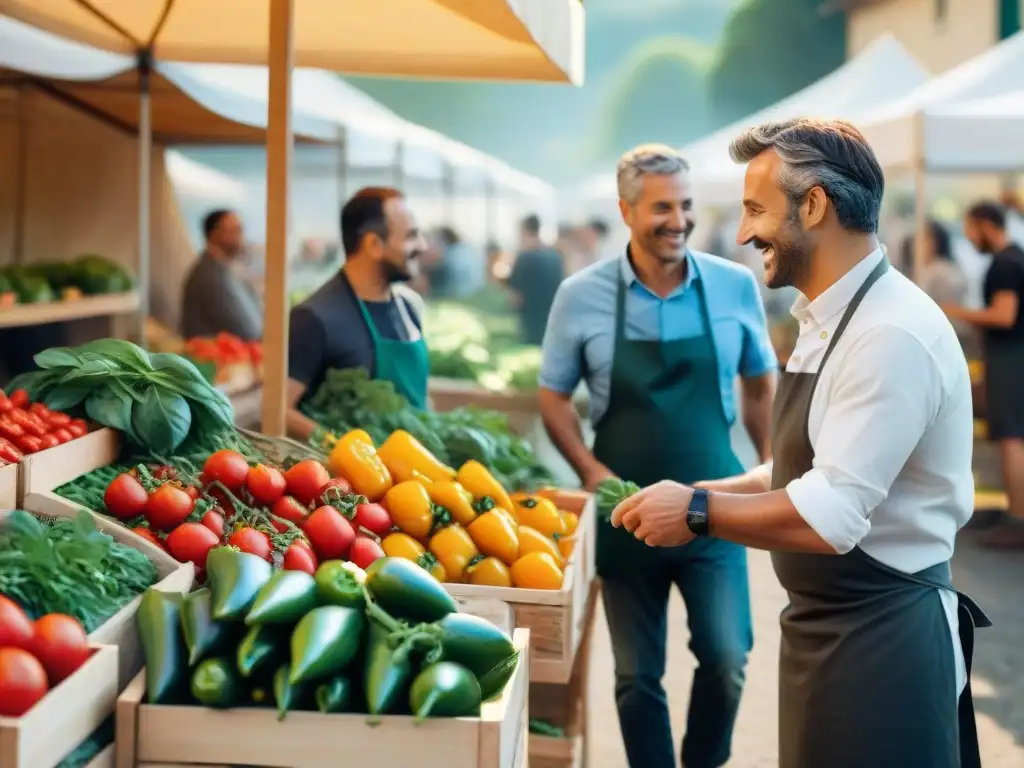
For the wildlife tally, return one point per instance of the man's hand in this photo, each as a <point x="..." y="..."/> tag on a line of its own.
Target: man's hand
<point x="657" y="515"/>
<point x="593" y="477"/>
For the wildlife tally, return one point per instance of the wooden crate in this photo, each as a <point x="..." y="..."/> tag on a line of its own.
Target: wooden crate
<point x="42" y="472"/>
<point x="65" y="717"/>
<point x="119" y="629"/>
<point x="495" y="611"/>
<point x="155" y="736"/>
<point x="555" y="618"/>
<point x="9" y="486"/>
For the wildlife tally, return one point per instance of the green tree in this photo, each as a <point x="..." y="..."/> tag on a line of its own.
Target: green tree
<point x="770" y="49"/>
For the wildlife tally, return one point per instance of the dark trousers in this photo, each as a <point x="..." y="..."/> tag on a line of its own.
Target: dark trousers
<point x="712" y="577"/>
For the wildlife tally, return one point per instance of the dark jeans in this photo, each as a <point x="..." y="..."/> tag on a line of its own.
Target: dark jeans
<point x="712" y="577"/>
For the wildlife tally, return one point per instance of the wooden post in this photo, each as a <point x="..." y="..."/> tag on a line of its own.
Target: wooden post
<point x="279" y="157"/>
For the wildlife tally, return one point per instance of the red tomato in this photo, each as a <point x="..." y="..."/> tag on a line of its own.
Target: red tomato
<point x="39" y="409"/>
<point x="227" y="467"/>
<point x="22" y="681"/>
<point x="364" y="551"/>
<point x="374" y="518"/>
<point x="252" y="541"/>
<point x="60" y="645"/>
<point x="63" y="435"/>
<point x="125" y="497"/>
<point x="29" y="444"/>
<point x="149" y="536"/>
<point x="58" y="419"/>
<point x="167" y="507"/>
<point x="15" y="626"/>
<point x="306" y="479"/>
<point x="226" y="505"/>
<point x="191" y="543"/>
<point x="266" y="484"/>
<point x="325" y="495"/>
<point x="193" y="492"/>
<point x="164" y="472"/>
<point x="214" y="520"/>
<point x="19" y="398"/>
<point x="299" y="557"/>
<point x="77" y="430"/>
<point x="49" y="441"/>
<point x="288" y="508"/>
<point x="330" y="533"/>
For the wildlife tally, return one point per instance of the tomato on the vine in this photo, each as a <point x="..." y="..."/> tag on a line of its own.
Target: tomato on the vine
<point x="227" y="467"/>
<point x="149" y="536"/>
<point x="266" y="484"/>
<point x="60" y="644"/>
<point x="306" y="479"/>
<point x="125" y="497"/>
<point x="16" y="628"/>
<point x="299" y="557"/>
<point x="22" y="681"/>
<point x="252" y="541"/>
<point x="329" y="533"/>
<point x="167" y="507"/>
<point x="214" y="520"/>
<point x="288" y="508"/>
<point x="332" y="488"/>
<point x="374" y="518"/>
<point x="364" y="551"/>
<point x="191" y="543"/>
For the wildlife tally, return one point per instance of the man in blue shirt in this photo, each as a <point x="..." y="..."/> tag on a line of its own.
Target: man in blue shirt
<point x="659" y="335"/>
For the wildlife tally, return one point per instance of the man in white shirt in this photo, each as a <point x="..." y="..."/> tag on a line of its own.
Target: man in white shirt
<point x="871" y="479"/>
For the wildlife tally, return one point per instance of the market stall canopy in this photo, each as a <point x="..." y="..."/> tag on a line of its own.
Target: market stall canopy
<point x="970" y="119"/>
<point x="540" y="40"/>
<point x="200" y="182"/>
<point x="880" y="73"/>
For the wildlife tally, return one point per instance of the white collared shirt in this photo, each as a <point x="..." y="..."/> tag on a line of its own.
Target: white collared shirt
<point x="892" y="426"/>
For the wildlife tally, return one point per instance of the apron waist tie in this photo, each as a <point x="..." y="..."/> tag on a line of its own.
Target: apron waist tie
<point x="970" y="617"/>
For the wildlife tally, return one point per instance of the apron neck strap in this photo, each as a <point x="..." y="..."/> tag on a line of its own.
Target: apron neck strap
<point x="880" y="269"/>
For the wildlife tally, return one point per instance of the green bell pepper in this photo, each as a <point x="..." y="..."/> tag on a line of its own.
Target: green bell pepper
<point x="325" y="642"/>
<point x="480" y="646"/>
<point x="159" y="623"/>
<point x="204" y="637"/>
<point x="235" y="578"/>
<point x="263" y="646"/>
<point x="286" y="598"/>
<point x="339" y="582"/>
<point x="289" y="696"/>
<point x="336" y="695"/>
<point x="407" y="591"/>
<point x="445" y="689"/>
<point x="387" y="670"/>
<point x="215" y="683"/>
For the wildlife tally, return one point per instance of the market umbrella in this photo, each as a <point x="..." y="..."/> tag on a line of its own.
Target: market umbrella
<point x="539" y="40"/>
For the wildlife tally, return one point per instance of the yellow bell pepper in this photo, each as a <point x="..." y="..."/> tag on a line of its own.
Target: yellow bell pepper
<point x="532" y="540"/>
<point x="495" y="535"/>
<point x="537" y="570"/>
<point x="453" y="497"/>
<point x="454" y="547"/>
<point x="542" y="515"/>
<point x="566" y="544"/>
<point x="476" y="479"/>
<point x="354" y="458"/>
<point x="404" y="455"/>
<point x="411" y="510"/>
<point x="488" y="572"/>
<point x="406" y="547"/>
<point x="571" y="520"/>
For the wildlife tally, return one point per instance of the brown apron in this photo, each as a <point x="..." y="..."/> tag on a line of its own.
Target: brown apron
<point x="866" y="670"/>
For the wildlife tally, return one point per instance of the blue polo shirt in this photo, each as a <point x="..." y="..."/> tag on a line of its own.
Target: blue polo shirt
<point x="580" y="339"/>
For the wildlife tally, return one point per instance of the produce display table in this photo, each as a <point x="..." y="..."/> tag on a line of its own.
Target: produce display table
<point x="106" y="305"/>
<point x="449" y="394"/>
<point x="9" y="486"/>
<point x="41" y="472"/>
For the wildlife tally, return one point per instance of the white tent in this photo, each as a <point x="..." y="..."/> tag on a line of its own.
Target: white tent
<point x="880" y="73"/>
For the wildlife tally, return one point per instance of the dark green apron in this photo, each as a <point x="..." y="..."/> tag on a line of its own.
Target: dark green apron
<point x="404" y="363"/>
<point x="665" y="421"/>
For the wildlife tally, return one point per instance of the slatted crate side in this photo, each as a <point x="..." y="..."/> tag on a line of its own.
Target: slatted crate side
<point x="65" y="717"/>
<point x="50" y="469"/>
<point x="9" y="486"/>
<point x="151" y="735"/>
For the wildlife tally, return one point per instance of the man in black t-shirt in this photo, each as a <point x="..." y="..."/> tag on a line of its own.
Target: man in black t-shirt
<point x="1002" y="326"/>
<point x="536" y="274"/>
<point x="361" y="318"/>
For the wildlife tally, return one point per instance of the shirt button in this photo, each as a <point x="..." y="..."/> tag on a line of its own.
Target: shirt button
<point x="806" y="321"/>
<point x="824" y="334"/>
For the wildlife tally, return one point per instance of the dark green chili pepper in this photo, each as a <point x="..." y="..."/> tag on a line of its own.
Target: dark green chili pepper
<point x="387" y="671"/>
<point x="407" y="591"/>
<point x="235" y="578"/>
<point x="215" y="683"/>
<point x="159" y="623"/>
<point x="479" y="645"/>
<point x="263" y="647"/>
<point x="325" y="642"/>
<point x="446" y="689"/>
<point x="336" y="695"/>
<point x="204" y="637"/>
<point x="289" y="695"/>
<point x="286" y="598"/>
<point x="341" y="583"/>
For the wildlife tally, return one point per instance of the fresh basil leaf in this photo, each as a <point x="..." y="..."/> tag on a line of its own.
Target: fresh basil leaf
<point x="95" y="370"/>
<point x="69" y="394"/>
<point x="35" y="383"/>
<point x="111" y="407"/>
<point x="161" y="420"/>
<point x="183" y="377"/>
<point x="56" y="357"/>
<point x="126" y="354"/>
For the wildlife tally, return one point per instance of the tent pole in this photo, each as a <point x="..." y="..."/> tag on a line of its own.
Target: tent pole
<point x="491" y="207"/>
<point x="920" y="199"/>
<point x="145" y="189"/>
<point x="342" y="166"/>
<point x="21" y="182"/>
<point x="279" y="156"/>
<point x="398" y="167"/>
<point x="448" y="194"/>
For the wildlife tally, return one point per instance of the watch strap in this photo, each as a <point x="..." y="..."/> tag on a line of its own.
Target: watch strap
<point x="697" y="513"/>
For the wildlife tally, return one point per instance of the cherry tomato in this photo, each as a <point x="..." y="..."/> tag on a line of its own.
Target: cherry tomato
<point x="191" y="543"/>
<point x="329" y="533"/>
<point x="60" y="645"/>
<point x="299" y="557"/>
<point x="167" y="508"/>
<point x="125" y="497"/>
<point x="214" y="520"/>
<point x="252" y="541"/>
<point x="49" y="441"/>
<point x="16" y="628"/>
<point x="63" y="435"/>
<point x="365" y="551"/>
<point x="78" y="427"/>
<point x="58" y="419"/>
<point x="19" y="398"/>
<point x="288" y="508"/>
<point x="326" y="494"/>
<point x="22" y="681"/>
<point x="227" y="467"/>
<point x="164" y="472"/>
<point x="192" y="491"/>
<point x="266" y="484"/>
<point x="225" y="503"/>
<point x="374" y="518"/>
<point x="306" y="479"/>
<point x="29" y="444"/>
<point x="149" y="536"/>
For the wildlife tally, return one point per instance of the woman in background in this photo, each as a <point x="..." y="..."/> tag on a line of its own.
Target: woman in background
<point x="942" y="278"/>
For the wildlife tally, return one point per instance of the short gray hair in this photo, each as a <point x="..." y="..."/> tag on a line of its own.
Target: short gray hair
<point x="643" y="161"/>
<point x="830" y="154"/>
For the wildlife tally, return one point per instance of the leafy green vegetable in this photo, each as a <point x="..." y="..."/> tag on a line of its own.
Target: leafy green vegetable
<point x="62" y="565"/>
<point x="612" y="492"/>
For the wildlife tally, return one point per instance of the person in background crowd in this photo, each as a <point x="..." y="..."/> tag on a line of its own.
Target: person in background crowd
<point x="459" y="271"/>
<point x="567" y="243"/>
<point x="593" y="242"/>
<point x="942" y="278"/>
<point x="363" y="317"/>
<point x="498" y="266"/>
<point x="1014" y="206"/>
<point x="216" y="299"/>
<point x="536" y="274"/>
<point x="870" y="477"/>
<point x="659" y="335"/>
<point x="1002" y="326"/>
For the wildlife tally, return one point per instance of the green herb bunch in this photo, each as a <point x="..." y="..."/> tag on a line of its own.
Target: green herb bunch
<point x="612" y="492"/>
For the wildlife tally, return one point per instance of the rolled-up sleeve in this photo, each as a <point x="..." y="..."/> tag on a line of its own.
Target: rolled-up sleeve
<point x="758" y="356"/>
<point x="885" y="393"/>
<point x="561" y="366"/>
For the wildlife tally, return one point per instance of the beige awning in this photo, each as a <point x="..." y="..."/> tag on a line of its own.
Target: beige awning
<point x="539" y="40"/>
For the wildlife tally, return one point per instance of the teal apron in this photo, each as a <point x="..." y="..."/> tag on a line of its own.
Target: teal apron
<point x="665" y="421"/>
<point x="404" y="363"/>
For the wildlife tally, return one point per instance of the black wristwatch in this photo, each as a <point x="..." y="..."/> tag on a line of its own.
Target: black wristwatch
<point x="697" y="513"/>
